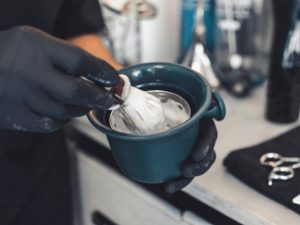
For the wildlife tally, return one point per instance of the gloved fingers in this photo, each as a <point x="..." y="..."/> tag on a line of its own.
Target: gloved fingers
<point x="48" y="125"/>
<point x="30" y="121"/>
<point x="71" y="111"/>
<point x="76" y="61"/>
<point x="206" y="140"/>
<point x="46" y="106"/>
<point x="192" y="169"/>
<point x="176" y="185"/>
<point x="76" y="91"/>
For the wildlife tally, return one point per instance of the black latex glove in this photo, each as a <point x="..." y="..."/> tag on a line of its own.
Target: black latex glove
<point x="40" y="84"/>
<point x="201" y="158"/>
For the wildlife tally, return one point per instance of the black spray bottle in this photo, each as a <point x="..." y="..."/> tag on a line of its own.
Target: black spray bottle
<point x="284" y="72"/>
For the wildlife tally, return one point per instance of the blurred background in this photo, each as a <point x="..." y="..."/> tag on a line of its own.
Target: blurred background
<point x="234" y="44"/>
<point x="227" y="41"/>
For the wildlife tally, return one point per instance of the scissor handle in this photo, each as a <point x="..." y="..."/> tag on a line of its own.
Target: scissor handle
<point x="296" y="166"/>
<point x="274" y="159"/>
<point x="271" y="159"/>
<point x="281" y="173"/>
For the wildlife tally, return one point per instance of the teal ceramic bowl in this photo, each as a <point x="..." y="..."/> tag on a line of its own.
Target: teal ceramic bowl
<point x="157" y="158"/>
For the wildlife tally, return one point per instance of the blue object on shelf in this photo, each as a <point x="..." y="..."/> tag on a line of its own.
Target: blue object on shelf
<point x="188" y="13"/>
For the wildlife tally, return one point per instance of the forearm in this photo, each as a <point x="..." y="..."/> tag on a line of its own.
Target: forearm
<point x="93" y="44"/>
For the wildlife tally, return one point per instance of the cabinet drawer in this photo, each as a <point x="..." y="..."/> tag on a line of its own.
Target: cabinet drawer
<point x="124" y="202"/>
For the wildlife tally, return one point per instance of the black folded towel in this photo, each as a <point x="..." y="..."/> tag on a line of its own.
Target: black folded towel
<point x="244" y="164"/>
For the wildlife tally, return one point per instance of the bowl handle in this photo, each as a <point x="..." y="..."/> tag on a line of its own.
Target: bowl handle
<point x="217" y="108"/>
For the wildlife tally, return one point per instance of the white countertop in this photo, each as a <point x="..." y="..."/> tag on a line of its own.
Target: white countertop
<point x="244" y="126"/>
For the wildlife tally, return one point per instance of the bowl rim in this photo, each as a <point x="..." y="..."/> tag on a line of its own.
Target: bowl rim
<point x="194" y="119"/>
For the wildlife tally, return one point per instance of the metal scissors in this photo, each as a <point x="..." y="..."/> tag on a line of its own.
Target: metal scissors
<point x="280" y="171"/>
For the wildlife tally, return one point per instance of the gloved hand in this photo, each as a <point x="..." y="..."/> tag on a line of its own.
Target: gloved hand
<point x="201" y="158"/>
<point x="40" y="81"/>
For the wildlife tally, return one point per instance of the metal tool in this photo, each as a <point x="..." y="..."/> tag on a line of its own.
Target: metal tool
<point x="283" y="167"/>
<point x="202" y="64"/>
<point x="200" y="61"/>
